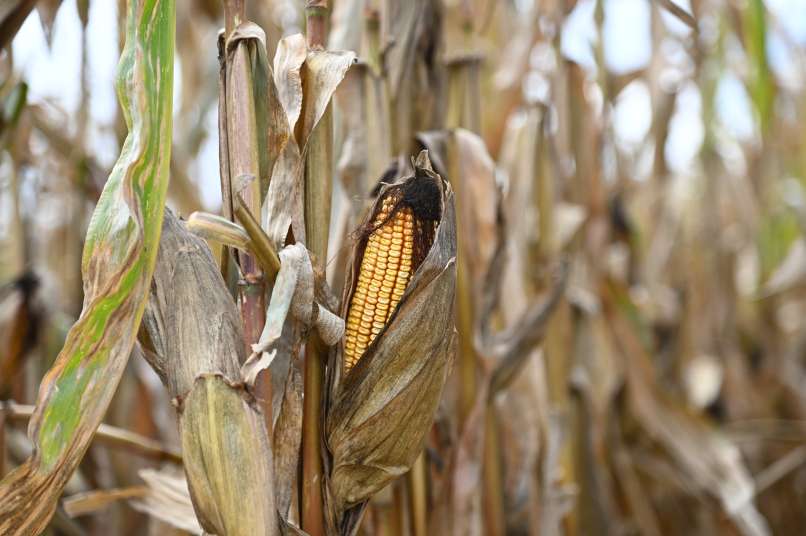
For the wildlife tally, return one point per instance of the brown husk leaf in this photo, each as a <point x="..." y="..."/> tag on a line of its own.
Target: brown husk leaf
<point x="378" y="415"/>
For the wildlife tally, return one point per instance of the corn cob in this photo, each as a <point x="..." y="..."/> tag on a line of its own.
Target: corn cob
<point x="386" y="268"/>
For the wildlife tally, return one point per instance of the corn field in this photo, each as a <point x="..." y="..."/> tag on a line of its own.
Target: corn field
<point x="402" y="267"/>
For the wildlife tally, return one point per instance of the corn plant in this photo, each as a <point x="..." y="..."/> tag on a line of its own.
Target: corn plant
<point x="461" y="280"/>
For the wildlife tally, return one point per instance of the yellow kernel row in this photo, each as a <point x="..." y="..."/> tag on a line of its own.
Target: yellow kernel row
<point x="382" y="279"/>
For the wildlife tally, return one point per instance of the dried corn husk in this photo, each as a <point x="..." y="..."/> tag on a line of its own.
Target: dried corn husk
<point x="225" y="447"/>
<point x="378" y="414"/>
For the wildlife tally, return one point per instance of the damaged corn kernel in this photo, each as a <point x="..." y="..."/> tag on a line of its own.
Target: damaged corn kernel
<point x="386" y="268"/>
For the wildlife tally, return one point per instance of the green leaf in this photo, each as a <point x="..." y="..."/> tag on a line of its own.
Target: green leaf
<point x="761" y="83"/>
<point x="118" y="263"/>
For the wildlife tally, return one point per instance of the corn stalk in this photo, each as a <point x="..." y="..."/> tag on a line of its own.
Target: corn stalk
<point x="318" y="190"/>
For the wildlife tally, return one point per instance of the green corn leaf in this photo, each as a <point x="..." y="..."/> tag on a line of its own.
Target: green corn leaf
<point x="761" y="83"/>
<point x="118" y="263"/>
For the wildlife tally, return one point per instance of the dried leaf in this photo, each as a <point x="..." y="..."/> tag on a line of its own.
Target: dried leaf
<point x="91" y="502"/>
<point x="168" y="500"/>
<point x="322" y="71"/>
<point x="708" y="459"/>
<point x="12" y="14"/>
<point x="47" y="10"/>
<point x="288" y="60"/>
<point x="293" y="293"/>
<point x="287" y="435"/>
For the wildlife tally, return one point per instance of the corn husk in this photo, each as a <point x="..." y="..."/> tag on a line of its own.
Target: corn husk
<point x="226" y="451"/>
<point x="378" y="414"/>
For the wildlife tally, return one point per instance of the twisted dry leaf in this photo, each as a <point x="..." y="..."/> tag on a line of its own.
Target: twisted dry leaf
<point x="322" y="71"/>
<point x="119" y="257"/>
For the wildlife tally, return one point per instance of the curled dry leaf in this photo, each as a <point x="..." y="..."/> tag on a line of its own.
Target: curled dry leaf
<point x="385" y="380"/>
<point x="293" y="292"/>
<point x="288" y="60"/>
<point x="168" y="499"/>
<point x="322" y="71"/>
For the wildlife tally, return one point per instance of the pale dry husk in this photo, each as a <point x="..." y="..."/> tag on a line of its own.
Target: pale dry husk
<point x="193" y="339"/>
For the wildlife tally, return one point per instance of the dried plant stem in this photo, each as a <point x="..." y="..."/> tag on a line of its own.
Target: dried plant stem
<point x="316" y="18"/>
<point x="376" y="103"/>
<point x="397" y="517"/>
<point x="244" y="170"/>
<point x="544" y="190"/>
<point x="468" y="367"/>
<point x="311" y="491"/>
<point x="467" y="359"/>
<point x="682" y="15"/>
<point x="223" y="153"/>
<point x="493" y="498"/>
<point x="464" y="93"/>
<point x="318" y="189"/>
<point x="233" y="14"/>
<point x="243" y="163"/>
<point x="418" y="497"/>
<point x="2" y="443"/>
<point x="17" y="249"/>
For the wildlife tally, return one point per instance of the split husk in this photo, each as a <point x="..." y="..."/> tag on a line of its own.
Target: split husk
<point x="378" y="413"/>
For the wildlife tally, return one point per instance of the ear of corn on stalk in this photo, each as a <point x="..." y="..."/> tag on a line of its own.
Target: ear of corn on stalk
<point x="400" y="234"/>
<point x="386" y="378"/>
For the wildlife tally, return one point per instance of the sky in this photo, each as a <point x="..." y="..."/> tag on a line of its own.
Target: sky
<point x="51" y="74"/>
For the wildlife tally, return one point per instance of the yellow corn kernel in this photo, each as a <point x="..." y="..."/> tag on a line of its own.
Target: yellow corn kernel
<point x="385" y="271"/>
